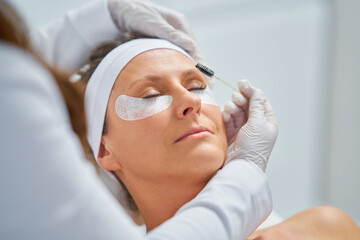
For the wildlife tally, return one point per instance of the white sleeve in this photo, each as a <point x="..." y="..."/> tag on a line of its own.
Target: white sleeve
<point x="48" y="191"/>
<point x="67" y="42"/>
<point x="233" y="204"/>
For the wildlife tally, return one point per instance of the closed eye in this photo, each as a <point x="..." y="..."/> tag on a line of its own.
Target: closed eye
<point x="197" y="88"/>
<point x="196" y="85"/>
<point x="157" y="94"/>
<point x="152" y="95"/>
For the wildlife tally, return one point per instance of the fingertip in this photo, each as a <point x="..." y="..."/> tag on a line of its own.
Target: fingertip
<point x="245" y="87"/>
<point x="226" y="116"/>
<point x="239" y="99"/>
<point x="231" y="108"/>
<point x="243" y="83"/>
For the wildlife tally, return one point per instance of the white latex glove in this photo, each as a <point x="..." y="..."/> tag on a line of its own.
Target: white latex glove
<point x="256" y="137"/>
<point x="235" y="113"/>
<point x="139" y="16"/>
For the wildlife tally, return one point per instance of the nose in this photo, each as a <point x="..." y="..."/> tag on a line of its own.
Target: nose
<point x="188" y="104"/>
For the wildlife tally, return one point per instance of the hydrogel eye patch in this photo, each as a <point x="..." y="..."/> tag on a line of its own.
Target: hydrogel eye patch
<point x="206" y="96"/>
<point x="131" y="108"/>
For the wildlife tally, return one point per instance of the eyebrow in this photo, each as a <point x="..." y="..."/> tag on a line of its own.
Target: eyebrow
<point x="156" y="78"/>
<point x="152" y="78"/>
<point x="190" y="72"/>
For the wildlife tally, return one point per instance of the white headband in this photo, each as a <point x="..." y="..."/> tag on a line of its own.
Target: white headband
<point x="102" y="80"/>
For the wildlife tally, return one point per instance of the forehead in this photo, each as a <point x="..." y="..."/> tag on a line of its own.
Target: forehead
<point x="162" y="62"/>
<point x="158" y="59"/>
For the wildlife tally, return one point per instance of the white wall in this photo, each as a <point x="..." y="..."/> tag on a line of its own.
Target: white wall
<point x="343" y="181"/>
<point x="307" y="68"/>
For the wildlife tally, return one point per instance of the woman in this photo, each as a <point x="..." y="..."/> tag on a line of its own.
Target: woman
<point x="48" y="190"/>
<point x="166" y="157"/>
<point x="156" y="156"/>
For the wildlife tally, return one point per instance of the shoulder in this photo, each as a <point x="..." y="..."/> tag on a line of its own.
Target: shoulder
<point x="18" y="66"/>
<point x="23" y="78"/>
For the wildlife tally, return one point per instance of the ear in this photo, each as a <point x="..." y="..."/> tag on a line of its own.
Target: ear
<point x="106" y="157"/>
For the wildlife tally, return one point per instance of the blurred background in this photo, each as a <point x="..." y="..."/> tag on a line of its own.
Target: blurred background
<point x="305" y="56"/>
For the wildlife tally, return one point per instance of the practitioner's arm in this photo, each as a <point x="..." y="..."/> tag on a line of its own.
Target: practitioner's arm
<point x="67" y="42"/>
<point x="231" y="206"/>
<point x="49" y="191"/>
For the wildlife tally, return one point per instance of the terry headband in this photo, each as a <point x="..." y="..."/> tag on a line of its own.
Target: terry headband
<point x="100" y="84"/>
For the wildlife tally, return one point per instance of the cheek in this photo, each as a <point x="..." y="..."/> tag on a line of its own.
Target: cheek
<point x="214" y="115"/>
<point x="134" y="141"/>
<point x="149" y="132"/>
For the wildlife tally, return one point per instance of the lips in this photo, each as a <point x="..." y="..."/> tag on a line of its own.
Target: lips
<point x="194" y="131"/>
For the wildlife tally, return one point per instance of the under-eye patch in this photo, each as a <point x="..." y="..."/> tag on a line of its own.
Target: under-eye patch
<point x="206" y="96"/>
<point x="131" y="108"/>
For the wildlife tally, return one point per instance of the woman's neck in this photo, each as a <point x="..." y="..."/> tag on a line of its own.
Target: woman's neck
<point x="159" y="201"/>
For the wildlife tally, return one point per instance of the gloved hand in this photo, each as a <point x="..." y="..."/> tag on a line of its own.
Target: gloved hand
<point x="258" y="128"/>
<point x="138" y="16"/>
<point x="235" y="111"/>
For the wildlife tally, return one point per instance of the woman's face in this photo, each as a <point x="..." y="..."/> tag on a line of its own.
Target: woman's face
<point x="154" y="148"/>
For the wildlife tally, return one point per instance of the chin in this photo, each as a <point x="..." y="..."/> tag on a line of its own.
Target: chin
<point x="207" y="159"/>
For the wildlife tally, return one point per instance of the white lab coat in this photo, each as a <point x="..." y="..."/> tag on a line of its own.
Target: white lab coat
<point x="67" y="42"/>
<point x="48" y="190"/>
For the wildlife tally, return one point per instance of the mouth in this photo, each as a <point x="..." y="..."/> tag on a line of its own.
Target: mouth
<point x="195" y="133"/>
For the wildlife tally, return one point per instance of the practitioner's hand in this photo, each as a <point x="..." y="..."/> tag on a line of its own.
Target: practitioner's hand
<point x="256" y="138"/>
<point x="235" y="113"/>
<point x="138" y="16"/>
